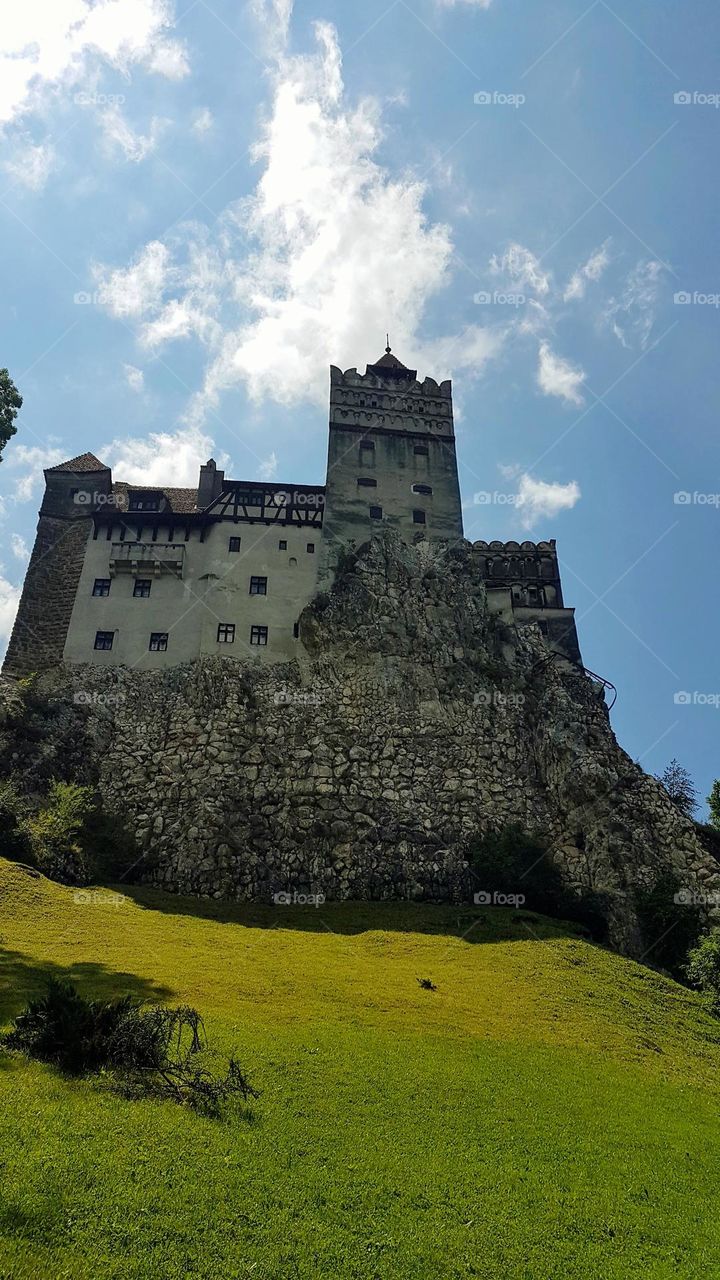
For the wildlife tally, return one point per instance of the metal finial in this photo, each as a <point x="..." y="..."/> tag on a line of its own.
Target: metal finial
<point x="387" y="339"/>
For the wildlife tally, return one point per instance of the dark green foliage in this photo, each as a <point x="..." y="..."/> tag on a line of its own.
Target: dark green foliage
<point x="670" y="927"/>
<point x="10" y="402"/>
<point x="149" y="1050"/>
<point x="14" y="808"/>
<point x="680" y="788"/>
<point x="52" y="832"/>
<point x="703" y="968"/>
<point x="427" y="984"/>
<point x="511" y="862"/>
<point x="714" y="804"/>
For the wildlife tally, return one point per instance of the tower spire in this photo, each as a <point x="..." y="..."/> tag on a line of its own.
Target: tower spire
<point x="387" y="348"/>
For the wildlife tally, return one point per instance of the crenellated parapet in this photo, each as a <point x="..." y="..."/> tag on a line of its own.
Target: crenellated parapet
<point x="390" y="397"/>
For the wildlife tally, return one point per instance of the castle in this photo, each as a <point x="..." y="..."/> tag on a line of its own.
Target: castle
<point x="146" y="578"/>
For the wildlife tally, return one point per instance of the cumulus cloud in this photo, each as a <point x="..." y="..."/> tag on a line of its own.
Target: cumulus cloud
<point x="29" y="461"/>
<point x="9" y="601"/>
<point x="557" y="377"/>
<point x="119" y="136"/>
<point x="296" y="275"/>
<point x="134" y="377"/>
<point x="632" y="316"/>
<point x="202" y="121"/>
<point x="30" y="165"/>
<point x="268" y="467"/>
<point x="522" y="267"/>
<point x="537" y="499"/>
<point x="591" y="271"/>
<point x="169" y="458"/>
<point x="58" y="45"/>
<point x="19" y="547"/>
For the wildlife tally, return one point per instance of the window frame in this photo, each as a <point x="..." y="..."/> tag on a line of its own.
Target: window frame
<point x="419" y="516"/>
<point x="259" y="636"/>
<point x="226" y="627"/>
<point x="142" y="595"/>
<point x="101" y="595"/>
<point x="375" y="512"/>
<point x="258" y="585"/>
<point x="158" y="647"/>
<point x="231" y="548"/>
<point x="104" y="648"/>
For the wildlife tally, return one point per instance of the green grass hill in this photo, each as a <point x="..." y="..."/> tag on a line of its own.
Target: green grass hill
<point x="549" y="1110"/>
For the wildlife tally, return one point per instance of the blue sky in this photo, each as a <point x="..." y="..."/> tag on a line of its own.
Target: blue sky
<point x="204" y="205"/>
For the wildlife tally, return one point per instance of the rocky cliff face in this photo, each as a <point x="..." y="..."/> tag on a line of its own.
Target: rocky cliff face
<point x="412" y="721"/>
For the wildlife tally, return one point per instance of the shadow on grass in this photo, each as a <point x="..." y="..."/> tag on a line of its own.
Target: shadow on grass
<point x="21" y="978"/>
<point x="474" y="924"/>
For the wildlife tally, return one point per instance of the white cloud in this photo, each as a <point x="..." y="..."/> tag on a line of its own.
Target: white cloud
<point x="537" y="500"/>
<point x="58" y="44"/>
<point x="30" y="460"/>
<point x="202" y="121"/>
<point x="592" y="270"/>
<point x="134" y="377"/>
<point x="297" y="275"/>
<point x="478" y="4"/>
<point x="557" y="377"/>
<point x="19" y="547"/>
<point x="162" y="458"/>
<point x="120" y="137"/>
<point x="268" y="468"/>
<point x="139" y="288"/>
<point x="632" y="316"/>
<point x="9" y="601"/>
<point x="522" y="267"/>
<point x="30" y="165"/>
<point x="169" y="59"/>
<point x="273" y="17"/>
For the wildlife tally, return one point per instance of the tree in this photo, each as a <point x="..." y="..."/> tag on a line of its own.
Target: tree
<point x="679" y="786"/>
<point x="703" y="967"/>
<point x="10" y="402"/>
<point x="714" y="804"/>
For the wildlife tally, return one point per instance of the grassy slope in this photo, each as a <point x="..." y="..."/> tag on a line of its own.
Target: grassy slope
<point x="550" y="1110"/>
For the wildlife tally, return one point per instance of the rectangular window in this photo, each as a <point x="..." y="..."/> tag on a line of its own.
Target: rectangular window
<point x="376" y="513"/>
<point x="226" y="633"/>
<point x="104" y="639"/>
<point x="282" y="545"/>
<point x="258" y="586"/>
<point x="101" y="587"/>
<point x="141" y="588"/>
<point x="368" y="482"/>
<point x="234" y="544"/>
<point x="311" y="548"/>
<point x="143" y="502"/>
<point x="296" y="630"/>
<point x="258" y="635"/>
<point x="158" y="641"/>
<point x="422" y="488"/>
<point x="422" y="450"/>
<point x="419" y="517"/>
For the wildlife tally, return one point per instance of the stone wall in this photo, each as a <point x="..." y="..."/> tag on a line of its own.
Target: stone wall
<point x="413" y="721"/>
<point x="48" y="594"/>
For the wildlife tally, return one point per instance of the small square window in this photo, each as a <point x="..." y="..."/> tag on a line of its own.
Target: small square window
<point x="311" y="548"/>
<point x="101" y="587"/>
<point x="422" y="450"/>
<point x="419" y="517"/>
<point x="282" y="545"/>
<point x="368" y="482"/>
<point x="226" y="633"/>
<point x="234" y="544"/>
<point x="258" y="635"/>
<point x="141" y="588"/>
<point x="158" y="641"/>
<point x="104" y="639"/>
<point x="258" y="586"/>
<point x="376" y="513"/>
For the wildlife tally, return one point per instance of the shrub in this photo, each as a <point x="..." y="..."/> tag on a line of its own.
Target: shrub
<point x="669" y="926"/>
<point x="148" y="1050"/>
<point x="513" y="862"/>
<point x="703" y="968"/>
<point x="53" y="831"/>
<point x="14" y="809"/>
